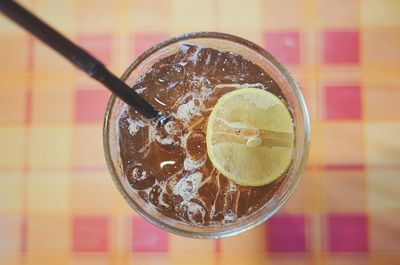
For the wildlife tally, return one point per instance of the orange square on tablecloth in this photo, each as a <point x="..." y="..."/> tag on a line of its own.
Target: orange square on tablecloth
<point x="62" y="14"/>
<point x="14" y="51"/>
<point x="284" y="14"/>
<point x="13" y="105"/>
<point x="243" y="258"/>
<point x="96" y="16"/>
<point x="294" y="259"/>
<point x="54" y="80"/>
<point x="315" y="157"/>
<point x="387" y="258"/>
<point x="118" y="203"/>
<point x="338" y="184"/>
<point x="12" y="146"/>
<point x="381" y="101"/>
<point x="46" y="258"/>
<point x="13" y="258"/>
<point x="179" y="244"/>
<point x="49" y="147"/>
<point x="237" y="16"/>
<point x="48" y="233"/>
<point x="297" y="202"/>
<point x="309" y="90"/>
<point x="342" y="143"/>
<point x="185" y="258"/>
<point x="87" y="147"/>
<point x="382" y="145"/>
<point x="140" y="20"/>
<point x="380" y="46"/>
<point x="150" y="258"/>
<point x="313" y="195"/>
<point x="338" y="13"/>
<point x="11" y="190"/>
<point x="11" y="233"/>
<point x="337" y="259"/>
<point x="384" y="230"/>
<point x="49" y="63"/>
<point x="380" y="13"/>
<point x="52" y="106"/>
<point x="189" y="16"/>
<point x="94" y="259"/>
<point x="383" y="189"/>
<point x="48" y="192"/>
<point x="120" y="235"/>
<point x="252" y="241"/>
<point x="311" y="56"/>
<point x="88" y="200"/>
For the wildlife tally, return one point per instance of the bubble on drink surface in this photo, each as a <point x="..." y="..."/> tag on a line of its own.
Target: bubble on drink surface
<point x="187" y="110"/>
<point x="135" y="125"/>
<point x="139" y="178"/>
<point x="159" y="197"/>
<point x="165" y="141"/>
<point x="229" y="216"/>
<point x="189" y="164"/>
<point x="159" y="134"/>
<point x="188" y="186"/>
<point x="171" y="128"/>
<point x="191" y="104"/>
<point x="140" y="90"/>
<point x="196" y="212"/>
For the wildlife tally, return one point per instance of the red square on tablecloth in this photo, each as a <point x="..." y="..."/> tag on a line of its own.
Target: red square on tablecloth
<point x="143" y="41"/>
<point x="284" y="45"/>
<point x="342" y="102"/>
<point x="341" y="47"/>
<point x="148" y="238"/>
<point x="347" y="233"/>
<point x="98" y="45"/>
<point x="90" y="105"/>
<point x="286" y="233"/>
<point x="90" y="234"/>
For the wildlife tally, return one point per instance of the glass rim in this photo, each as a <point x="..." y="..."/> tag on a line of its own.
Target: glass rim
<point x="299" y="98"/>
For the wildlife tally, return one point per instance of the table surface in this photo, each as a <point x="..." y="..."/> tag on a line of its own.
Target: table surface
<point x="58" y="204"/>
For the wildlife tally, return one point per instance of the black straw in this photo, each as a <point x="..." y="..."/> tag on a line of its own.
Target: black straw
<point x="76" y="55"/>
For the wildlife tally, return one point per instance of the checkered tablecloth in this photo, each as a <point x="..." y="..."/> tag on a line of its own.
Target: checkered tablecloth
<point x="58" y="204"/>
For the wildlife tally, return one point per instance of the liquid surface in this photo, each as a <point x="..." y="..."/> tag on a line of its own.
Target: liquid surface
<point x="168" y="166"/>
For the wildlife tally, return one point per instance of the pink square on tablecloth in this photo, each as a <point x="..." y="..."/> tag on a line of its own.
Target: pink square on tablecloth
<point x="98" y="45"/>
<point x="341" y="47"/>
<point x="90" y="105"/>
<point x="342" y="102"/>
<point x="90" y="234"/>
<point x="286" y="233"/>
<point x="284" y="45"/>
<point x="143" y="41"/>
<point x="347" y="233"/>
<point x="147" y="237"/>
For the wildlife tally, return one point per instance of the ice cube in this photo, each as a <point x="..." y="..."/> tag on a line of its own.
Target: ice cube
<point x="188" y="186"/>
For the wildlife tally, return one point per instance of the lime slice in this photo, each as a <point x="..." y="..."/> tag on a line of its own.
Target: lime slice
<point x="250" y="136"/>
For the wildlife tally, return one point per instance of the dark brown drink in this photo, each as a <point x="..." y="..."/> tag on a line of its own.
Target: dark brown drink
<point x="168" y="166"/>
